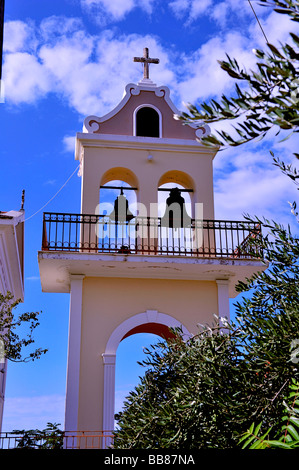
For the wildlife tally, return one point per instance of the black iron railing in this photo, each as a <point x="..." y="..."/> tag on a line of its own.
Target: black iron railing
<point x="148" y="235"/>
<point x="56" y="440"/>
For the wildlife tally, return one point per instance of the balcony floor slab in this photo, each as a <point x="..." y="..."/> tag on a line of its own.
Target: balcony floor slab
<point x="56" y="268"/>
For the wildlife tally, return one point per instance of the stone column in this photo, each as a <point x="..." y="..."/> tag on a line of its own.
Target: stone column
<point x="223" y="299"/>
<point x="74" y="349"/>
<point x="108" y="396"/>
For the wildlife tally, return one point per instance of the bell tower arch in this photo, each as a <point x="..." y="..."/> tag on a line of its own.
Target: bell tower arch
<point x="150" y="321"/>
<point x="116" y="267"/>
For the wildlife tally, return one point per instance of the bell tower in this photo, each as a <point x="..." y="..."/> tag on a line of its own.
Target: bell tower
<point x="148" y="258"/>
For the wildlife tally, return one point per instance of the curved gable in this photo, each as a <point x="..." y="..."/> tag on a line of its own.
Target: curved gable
<point x="122" y="119"/>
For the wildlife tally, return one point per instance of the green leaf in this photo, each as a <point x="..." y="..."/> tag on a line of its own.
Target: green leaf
<point x="278" y="444"/>
<point x="283" y="11"/>
<point x="292" y="431"/>
<point x="248" y="442"/>
<point x="295" y="38"/>
<point x="287" y="137"/>
<point x="294" y="420"/>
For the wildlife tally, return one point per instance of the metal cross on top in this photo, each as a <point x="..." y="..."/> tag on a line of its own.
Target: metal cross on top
<point x="146" y="60"/>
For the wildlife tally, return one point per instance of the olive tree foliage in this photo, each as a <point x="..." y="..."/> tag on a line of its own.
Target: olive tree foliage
<point x="182" y="400"/>
<point x="205" y="392"/>
<point x="288" y="435"/>
<point x="16" y="331"/>
<point x="265" y="98"/>
<point x="49" y="438"/>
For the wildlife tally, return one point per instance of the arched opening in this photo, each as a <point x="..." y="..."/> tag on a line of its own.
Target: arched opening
<point x="147" y="122"/>
<point x="163" y="195"/>
<point x="176" y="179"/>
<point x="150" y="322"/>
<point x="120" y="173"/>
<point x="117" y="210"/>
<point x="175" y="201"/>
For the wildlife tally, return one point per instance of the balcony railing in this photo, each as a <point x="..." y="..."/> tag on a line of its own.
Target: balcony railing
<point x="148" y="235"/>
<point x="60" y="440"/>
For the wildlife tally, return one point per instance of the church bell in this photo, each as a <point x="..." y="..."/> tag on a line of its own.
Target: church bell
<point x="121" y="212"/>
<point x="175" y="214"/>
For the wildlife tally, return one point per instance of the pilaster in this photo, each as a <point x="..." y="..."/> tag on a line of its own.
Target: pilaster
<point x="109" y="393"/>
<point x="74" y="349"/>
<point x="223" y="299"/>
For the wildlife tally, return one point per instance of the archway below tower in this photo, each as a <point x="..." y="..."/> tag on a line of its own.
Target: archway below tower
<point x="151" y="321"/>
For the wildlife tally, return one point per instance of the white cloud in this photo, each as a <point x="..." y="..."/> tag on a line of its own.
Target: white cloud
<point x="204" y="77"/>
<point x="89" y="72"/>
<point x="220" y="11"/>
<point x="116" y="10"/>
<point x="246" y="181"/>
<point x="192" y="8"/>
<point x="276" y="27"/>
<point x="198" y="7"/>
<point x="25" y="78"/>
<point x="18" y="36"/>
<point x="69" y="143"/>
<point x="56" y="26"/>
<point x="179" y="7"/>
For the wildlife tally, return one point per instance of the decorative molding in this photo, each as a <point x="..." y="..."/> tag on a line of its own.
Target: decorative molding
<point x="203" y="131"/>
<point x="85" y="140"/>
<point x="150" y="316"/>
<point x="147" y="82"/>
<point x="92" y="123"/>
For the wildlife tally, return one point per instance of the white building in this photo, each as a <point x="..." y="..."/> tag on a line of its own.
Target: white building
<point x="11" y="272"/>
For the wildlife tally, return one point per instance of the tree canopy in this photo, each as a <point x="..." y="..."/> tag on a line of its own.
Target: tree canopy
<point x="264" y="98"/>
<point x="13" y="337"/>
<point x="204" y="392"/>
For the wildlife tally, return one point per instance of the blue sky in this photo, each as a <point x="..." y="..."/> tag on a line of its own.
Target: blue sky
<point x="66" y="59"/>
